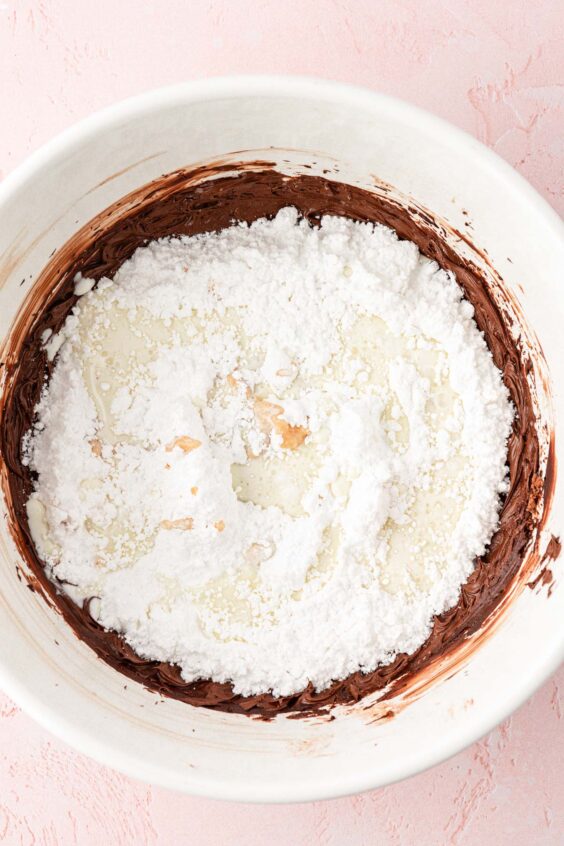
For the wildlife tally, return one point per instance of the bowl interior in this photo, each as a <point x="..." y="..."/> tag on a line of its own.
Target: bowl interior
<point x="369" y="141"/>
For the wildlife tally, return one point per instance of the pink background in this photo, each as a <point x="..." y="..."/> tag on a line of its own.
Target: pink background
<point x="495" y="69"/>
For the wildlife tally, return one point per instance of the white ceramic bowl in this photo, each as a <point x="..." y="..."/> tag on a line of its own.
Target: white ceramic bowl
<point x="78" y="697"/>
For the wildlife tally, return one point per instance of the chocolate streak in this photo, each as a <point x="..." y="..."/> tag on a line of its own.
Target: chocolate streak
<point x="545" y="577"/>
<point x="175" y="209"/>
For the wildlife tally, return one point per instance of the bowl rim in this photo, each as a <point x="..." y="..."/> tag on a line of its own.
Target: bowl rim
<point x="297" y="87"/>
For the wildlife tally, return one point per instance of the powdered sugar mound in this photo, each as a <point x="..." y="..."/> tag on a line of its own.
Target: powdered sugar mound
<point x="271" y="453"/>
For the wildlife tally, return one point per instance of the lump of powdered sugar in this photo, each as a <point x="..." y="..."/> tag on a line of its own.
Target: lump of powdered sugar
<point x="272" y="452"/>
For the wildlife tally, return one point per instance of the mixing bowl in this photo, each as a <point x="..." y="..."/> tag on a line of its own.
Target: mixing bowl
<point x="492" y="215"/>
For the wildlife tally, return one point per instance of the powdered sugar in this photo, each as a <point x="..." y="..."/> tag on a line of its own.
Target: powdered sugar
<point x="272" y="453"/>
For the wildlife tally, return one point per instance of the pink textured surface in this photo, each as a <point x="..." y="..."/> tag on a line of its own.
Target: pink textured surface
<point x="494" y="69"/>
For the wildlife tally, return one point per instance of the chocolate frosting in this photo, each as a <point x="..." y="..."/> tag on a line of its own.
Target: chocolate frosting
<point x="181" y="204"/>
